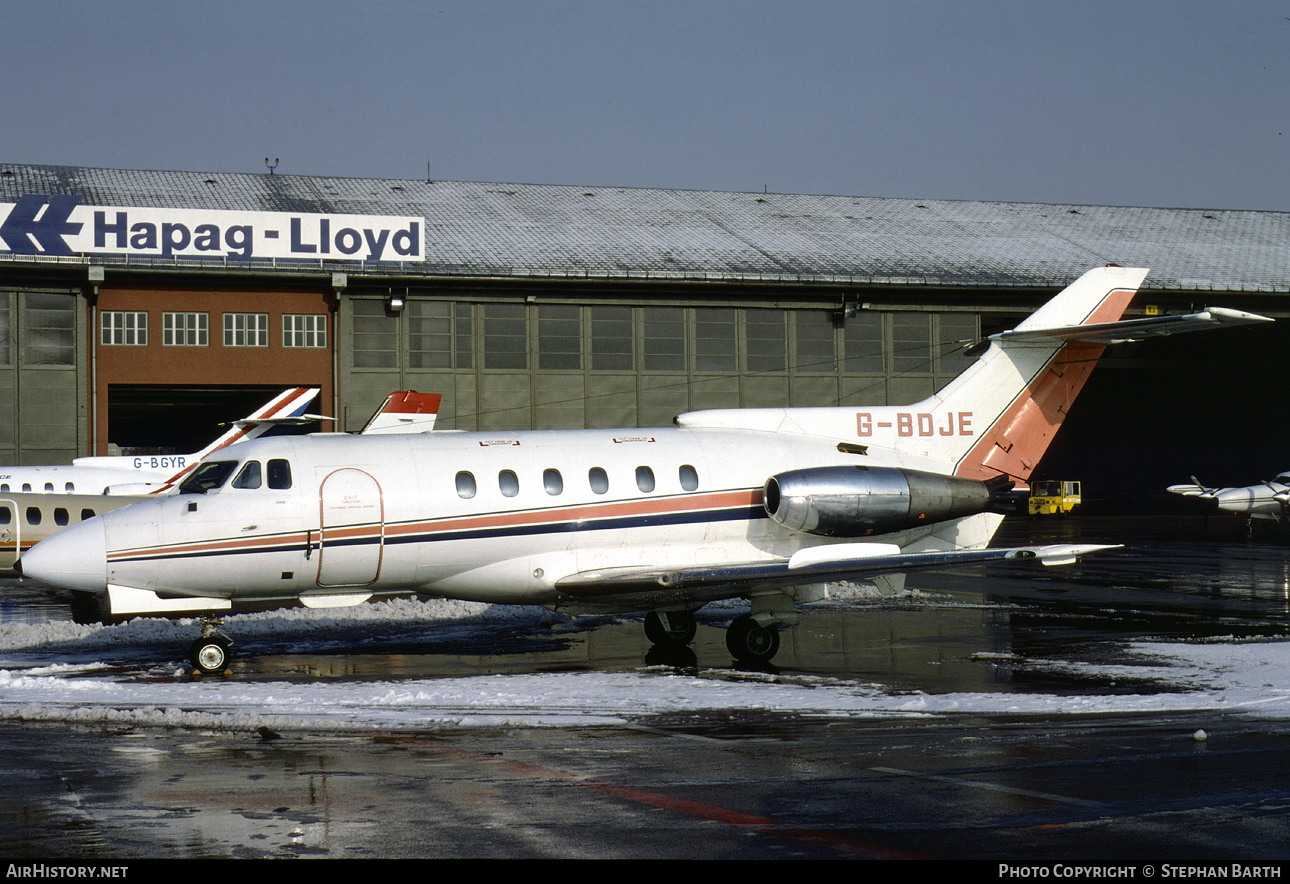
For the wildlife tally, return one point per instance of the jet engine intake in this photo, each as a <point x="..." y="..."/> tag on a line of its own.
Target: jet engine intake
<point x="857" y="501"/>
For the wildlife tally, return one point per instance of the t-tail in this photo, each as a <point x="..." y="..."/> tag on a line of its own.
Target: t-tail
<point x="287" y="408"/>
<point x="998" y="417"/>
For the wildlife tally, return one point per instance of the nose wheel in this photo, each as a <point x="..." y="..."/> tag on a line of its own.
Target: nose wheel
<point x="210" y="654"/>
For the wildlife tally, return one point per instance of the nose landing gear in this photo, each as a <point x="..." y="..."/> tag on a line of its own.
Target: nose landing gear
<point x="210" y="654"/>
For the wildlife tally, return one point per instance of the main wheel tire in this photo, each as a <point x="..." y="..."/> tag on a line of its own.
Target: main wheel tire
<point x="750" y="642"/>
<point x="670" y="628"/>
<point x="209" y="656"/>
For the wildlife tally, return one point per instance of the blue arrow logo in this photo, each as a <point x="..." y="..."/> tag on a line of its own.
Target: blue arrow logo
<point x="25" y="235"/>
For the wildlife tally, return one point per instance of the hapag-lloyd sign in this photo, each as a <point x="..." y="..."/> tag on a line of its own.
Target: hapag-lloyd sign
<point x="40" y="225"/>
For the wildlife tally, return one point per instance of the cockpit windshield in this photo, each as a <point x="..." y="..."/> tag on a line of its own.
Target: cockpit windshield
<point x="208" y="477"/>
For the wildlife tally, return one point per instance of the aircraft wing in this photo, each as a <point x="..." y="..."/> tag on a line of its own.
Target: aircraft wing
<point x="813" y="565"/>
<point x="1134" y="329"/>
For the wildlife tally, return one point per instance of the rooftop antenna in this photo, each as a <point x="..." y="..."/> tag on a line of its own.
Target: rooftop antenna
<point x="272" y="165"/>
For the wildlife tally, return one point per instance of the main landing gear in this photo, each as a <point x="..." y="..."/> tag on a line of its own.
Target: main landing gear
<point x="210" y="654"/>
<point x="749" y="641"/>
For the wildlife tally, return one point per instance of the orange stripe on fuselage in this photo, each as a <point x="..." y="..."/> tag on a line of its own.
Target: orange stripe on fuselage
<point x="585" y="512"/>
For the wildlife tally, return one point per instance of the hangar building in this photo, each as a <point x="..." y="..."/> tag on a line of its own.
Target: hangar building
<point x="141" y="308"/>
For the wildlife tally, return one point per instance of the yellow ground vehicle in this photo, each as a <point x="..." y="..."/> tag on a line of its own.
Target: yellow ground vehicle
<point x="1053" y="497"/>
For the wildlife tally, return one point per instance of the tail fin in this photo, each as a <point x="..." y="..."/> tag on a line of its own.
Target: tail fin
<point x="406" y="411"/>
<point x="285" y="406"/>
<point x="998" y="417"/>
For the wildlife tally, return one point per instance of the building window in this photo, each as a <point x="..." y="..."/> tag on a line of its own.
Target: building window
<point x="304" y="330"/>
<point x="611" y="339"/>
<point x="49" y="329"/>
<point x="765" y="348"/>
<point x="124" y="328"/>
<point x="862" y="338"/>
<point x="814" y="340"/>
<point x="246" y="329"/>
<point x="185" y="329"/>
<point x="6" y="329"/>
<point x="559" y="337"/>
<point x="464" y="335"/>
<point x="506" y="342"/>
<point x="376" y="343"/>
<point x="955" y="333"/>
<point x="429" y="333"/>
<point x="714" y="340"/>
<point x="663" y="338"/>
<point x="911" y="343"/>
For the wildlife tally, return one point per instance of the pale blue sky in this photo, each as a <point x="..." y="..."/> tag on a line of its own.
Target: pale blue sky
<point x="1121" y="102"/>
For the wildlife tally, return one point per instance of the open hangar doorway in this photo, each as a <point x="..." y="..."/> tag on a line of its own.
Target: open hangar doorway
<point x="145" y="419"/>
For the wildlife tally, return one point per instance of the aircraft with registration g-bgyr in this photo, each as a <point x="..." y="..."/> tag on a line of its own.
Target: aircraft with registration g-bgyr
<point x="29" y="516"/>
<point x="765" y="504"/>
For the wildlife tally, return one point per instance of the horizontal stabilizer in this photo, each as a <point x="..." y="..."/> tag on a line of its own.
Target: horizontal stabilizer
<point x="1127" y="330"/>
<point x="291" y="421"/>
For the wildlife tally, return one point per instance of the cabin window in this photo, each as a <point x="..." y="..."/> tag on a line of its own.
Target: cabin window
<point x="599" y="480"/>
<point x="4" y="489"/>
<point x="509" y="484"/>
<point x="208" y="476"/>
<point x="465" y="485"/>
<point x="689" y="477"/>
<point x="645" y="479"/>
<point x="279" y="473"/>
<point x="249" y="477"/>
<point x="6" y="515"/>
<point x="87" y="513"/>
<point x="552" y="482"/>
<point x="26" y="487"/>
<point x="49" y="487"/>
<point x="70" y="488"/>
<point x="61" y="517"/>
<point x="33" y="515"/>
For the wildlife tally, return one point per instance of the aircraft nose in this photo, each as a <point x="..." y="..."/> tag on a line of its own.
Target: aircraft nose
<point x="75" y="557"/>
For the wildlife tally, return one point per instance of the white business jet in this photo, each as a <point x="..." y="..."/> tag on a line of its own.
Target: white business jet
<point x="152" y="474"/>
<point x="765" y="504"/>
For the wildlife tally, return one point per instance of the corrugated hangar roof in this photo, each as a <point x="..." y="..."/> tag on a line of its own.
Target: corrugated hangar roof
<point x="545" y="231"/>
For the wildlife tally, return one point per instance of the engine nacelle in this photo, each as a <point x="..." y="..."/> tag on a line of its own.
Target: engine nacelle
<point x="857" y="501"/>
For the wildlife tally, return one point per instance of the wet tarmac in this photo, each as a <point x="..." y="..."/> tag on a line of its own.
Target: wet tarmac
<point x="1003" y="785"/>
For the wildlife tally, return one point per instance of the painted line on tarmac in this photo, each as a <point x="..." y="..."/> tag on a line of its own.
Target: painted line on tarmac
<point x="753" y="822"/>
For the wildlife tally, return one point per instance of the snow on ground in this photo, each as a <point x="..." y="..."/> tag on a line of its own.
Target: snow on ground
<point x="1249" y="677"/>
